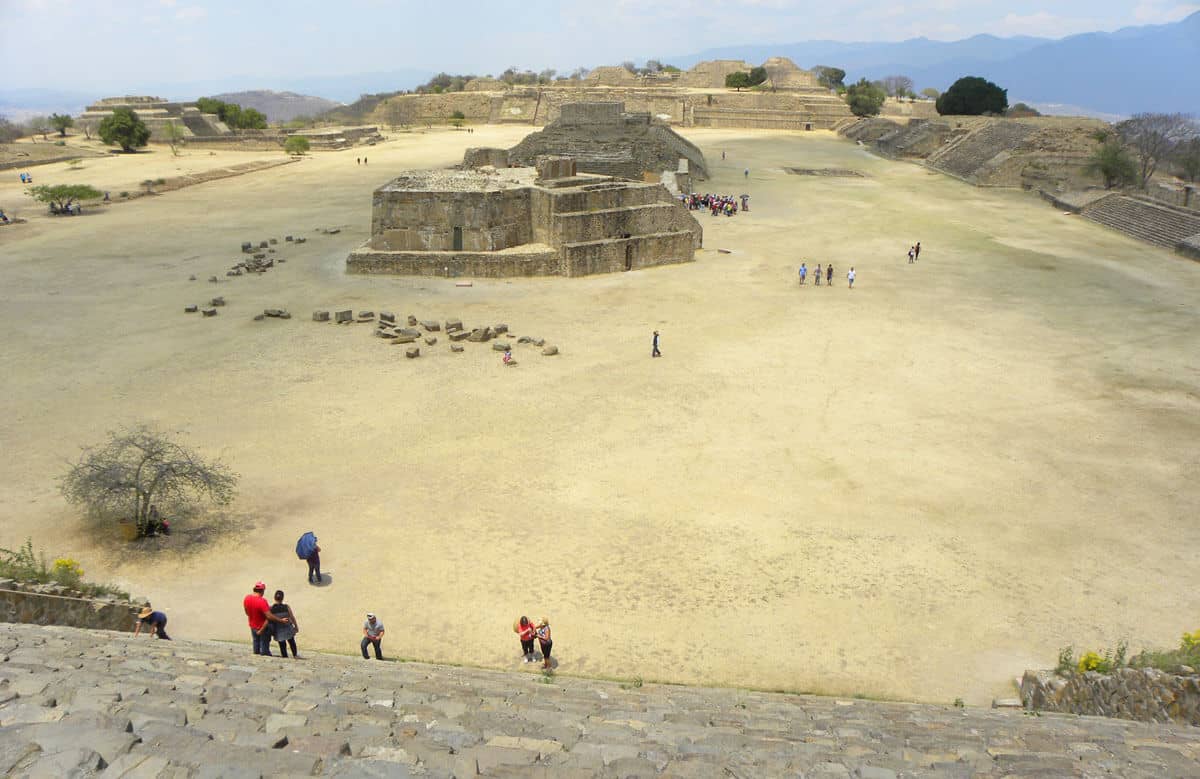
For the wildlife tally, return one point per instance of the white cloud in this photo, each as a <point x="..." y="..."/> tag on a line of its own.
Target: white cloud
<point x="1158" y="12"/>
<point x="191" y="13"/>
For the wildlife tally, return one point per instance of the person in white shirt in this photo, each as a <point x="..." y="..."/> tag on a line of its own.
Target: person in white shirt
<point x="850" y="277"/>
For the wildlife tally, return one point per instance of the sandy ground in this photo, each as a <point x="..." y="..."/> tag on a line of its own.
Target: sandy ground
<point x="914" y="489"/>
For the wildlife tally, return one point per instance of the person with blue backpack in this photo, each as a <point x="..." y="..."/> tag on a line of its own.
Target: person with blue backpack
<point x="307" y="550"/>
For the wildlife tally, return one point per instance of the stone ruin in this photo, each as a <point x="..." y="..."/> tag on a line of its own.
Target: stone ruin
<point x="602" y="138"/>
<point x="156" y="113"/>
<point x="551" y="220"/>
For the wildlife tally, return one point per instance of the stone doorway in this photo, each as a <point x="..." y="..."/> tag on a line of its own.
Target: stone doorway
<point x="457" y="239"/>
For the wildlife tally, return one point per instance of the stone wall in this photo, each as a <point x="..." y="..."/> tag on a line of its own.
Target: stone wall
<point x="1141" y="694"/>
<point x="408" y="220"/>
<point x="52" y="605"/>
<point x="533" y="260"/>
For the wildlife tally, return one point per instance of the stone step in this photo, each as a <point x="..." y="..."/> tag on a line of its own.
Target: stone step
<point x="1151" y="222"/>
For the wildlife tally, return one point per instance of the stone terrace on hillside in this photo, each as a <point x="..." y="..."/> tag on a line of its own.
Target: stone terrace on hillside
<point x="83" y="703"/>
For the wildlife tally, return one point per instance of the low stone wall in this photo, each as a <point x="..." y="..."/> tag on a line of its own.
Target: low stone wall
<point x="1190" y="247"/>
<point x="1141" y="694"/>
<point x="544" y="262"/>
<point x="22" y="603"/>
<point x="624" y="254"/>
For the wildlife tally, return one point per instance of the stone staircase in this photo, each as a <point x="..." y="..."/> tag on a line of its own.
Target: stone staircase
<point x="966" y="155"/>
<point x="91" y="703"/>
<point x="1144" y="219"/>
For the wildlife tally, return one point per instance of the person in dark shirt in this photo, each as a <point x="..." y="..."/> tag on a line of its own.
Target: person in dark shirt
<point x="285" y="632"/>
<point x="154" y="620"/>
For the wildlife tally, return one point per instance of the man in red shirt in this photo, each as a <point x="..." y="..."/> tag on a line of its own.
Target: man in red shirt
<point x="258" y="612"/>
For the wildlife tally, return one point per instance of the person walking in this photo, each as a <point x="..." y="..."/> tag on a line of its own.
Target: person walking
<point x="911" y="251"/>
<point x="803" y="273"/>
<point x="829" y="275"/>
<point x="358" y="160"/>
<point x="817" y="275"/>
<point x="285" y="634"/>
<point x="308" y="551"/>
<point x="525" y="631"/>
<point x="850" y="277"/>
<point x="654" y="352"/>
<point x="372" y="636"/>
<point x="258" y="613"/>
<point x="746" y="173"/>
<point x="155" y="621"/>
<point x="544" y="640"/>
<point x="917" y="251"/>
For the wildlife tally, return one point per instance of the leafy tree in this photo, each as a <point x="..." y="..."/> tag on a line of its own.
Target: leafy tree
<point x="124" y="128"/>
<point x="973" y="96"/>
<point x="757" y="76"/>
<point x="210" y="105"/>
<point x="1022" y="111"/>
<point x="898" y="86"/>
<point x="139" y="467"/>
<point x="252" y="119"/>
<point x="865" y="98"/>
<point x="9" y="131"/>
<point x="232" y="114"/>
<point x="173" y="135"/>
<point x="630" y="65"/>
<point x="653" y="66"/>
<point x="296" y="144"/>
<point x="930" y="93"/>
<point x="830" y="78"/>
<point x="1153" y="137"/>
<point x="60" y="196"/>
<point x="1112" y="162"/>
<point x="61" y="122"/>
<point x="670" y="69"/>
<point x="546" y="76"/>
<point x="457" y="118"/>
<point x="1189" y="159"/>
<point x="738" y="80"/>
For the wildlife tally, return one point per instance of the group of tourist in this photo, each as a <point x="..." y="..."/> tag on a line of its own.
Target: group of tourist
<point x="914" y="252"/>
<point x="26" y="178"/>
<point x="716" y="204"/>
<point x="528" y="632"/>
<point x="827" y="272"/>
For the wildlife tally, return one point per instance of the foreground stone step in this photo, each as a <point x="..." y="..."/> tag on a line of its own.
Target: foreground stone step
<point x="87" y="703"/>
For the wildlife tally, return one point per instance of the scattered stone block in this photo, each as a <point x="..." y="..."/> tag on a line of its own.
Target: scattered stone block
<point x="431" y="340"/>
<point x="272" y="241"/>
<point x="212" y="279"/>
<point x="459" y="335"/>
<point x="387" y="316"/>
<point x="404" y="339"/>
<point x="190" y="309"/>
<point x="274" y="312"/>
<point x="412" y="321"/>
<point x="478" y="335"/>
<point x="366" y="316"/>
<point x="247" y="247"/>
<point x="414" y="332"/>
<point x="412" y="352"/>
<point x="263" y="244"/>
<point x="260" y="256"/>
<point x="233" y="273"/>
<point x="463" y="284"/>
<point x="259" y="317"/>
<point x="344" y="316"/>
<point x="320" y="316"/>
<point x="301" y="240"/>
<point x="217" y="301"/>
<point x="192" y="277"/>
<point x="550" y="351"/>
<point x="500" y="329"/>
<point x="209" y="312"/>
<point x="501" y="346"/>
<point x="430" y="325"/>
<point x="456" y="347"/>
<point x="270" y="251"/>
<point x="287" y="238"/>
<point x="453" y="324"/>
<point x="724" y="251"/>
<point x="280" y="259"/>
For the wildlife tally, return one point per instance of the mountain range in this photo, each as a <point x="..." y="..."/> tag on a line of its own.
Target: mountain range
<point x="1132" y="70"/>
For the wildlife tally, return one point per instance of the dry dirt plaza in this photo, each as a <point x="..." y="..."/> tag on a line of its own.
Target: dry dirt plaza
<point x="916" y="489"/>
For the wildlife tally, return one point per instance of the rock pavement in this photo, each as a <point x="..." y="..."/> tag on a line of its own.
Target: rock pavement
<point x="94" y="703"/>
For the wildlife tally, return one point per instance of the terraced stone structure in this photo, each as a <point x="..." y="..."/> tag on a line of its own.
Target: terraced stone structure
<point x="156" y="113"/>
<point x="602" y="138"/>
<point x="544" y="221"/>
<point x="87" y="703"/>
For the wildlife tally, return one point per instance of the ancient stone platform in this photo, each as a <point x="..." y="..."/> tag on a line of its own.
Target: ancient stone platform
<point x="93" y="703"/>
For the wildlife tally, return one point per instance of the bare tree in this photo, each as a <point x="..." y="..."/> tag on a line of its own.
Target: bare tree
<point x="123" y="477"/>
<point x="173" y="135"/>
<point x="898" y="86"/>
<point x="88" y="127"/>
<point x="1153" y="137"/>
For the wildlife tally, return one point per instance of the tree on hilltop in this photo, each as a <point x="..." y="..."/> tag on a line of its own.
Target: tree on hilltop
<point x="973" y="96"/>
<point x="61" y="122"/>
<point x="136" y="468"/>
<point x="124" y="128"/>
<point x="1154" y="137"/>
<point x="865" y="98"/>
<point x="60" y="196"/>
<point x="830" y="78"/>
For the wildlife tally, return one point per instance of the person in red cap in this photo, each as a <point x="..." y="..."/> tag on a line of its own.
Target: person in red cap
<point x="258" y="612"/>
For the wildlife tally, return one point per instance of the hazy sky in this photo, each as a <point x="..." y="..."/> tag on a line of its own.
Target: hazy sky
<point x="91" y="43"/>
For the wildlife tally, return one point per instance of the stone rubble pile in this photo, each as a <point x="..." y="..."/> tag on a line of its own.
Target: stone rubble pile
<point x="416" y="329"/>
<point x="91" y="703"/>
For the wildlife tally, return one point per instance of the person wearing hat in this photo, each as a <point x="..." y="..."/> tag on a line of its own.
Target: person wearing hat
<point x="372" y="636"/>
<point x="156" y="620"/>
<point x="258" y="613"/>
<point x="544" y="639"/>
